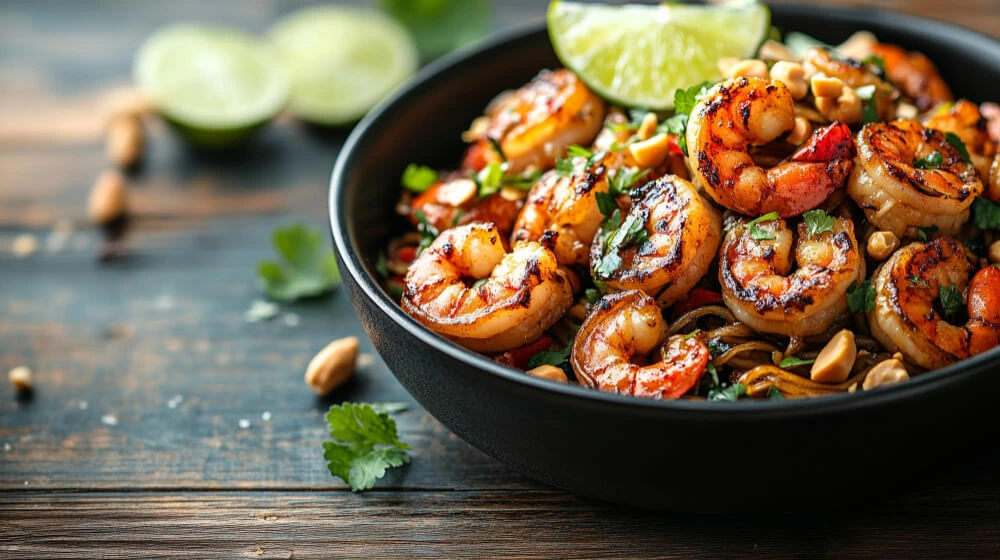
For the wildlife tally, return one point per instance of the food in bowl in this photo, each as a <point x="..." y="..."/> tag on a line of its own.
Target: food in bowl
<point x="815" y="222"/>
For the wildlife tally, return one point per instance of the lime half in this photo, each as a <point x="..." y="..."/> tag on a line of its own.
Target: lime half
<point x="638" y="55"/>
<point x="342" y="60"/>
<point x="218" y="85"/>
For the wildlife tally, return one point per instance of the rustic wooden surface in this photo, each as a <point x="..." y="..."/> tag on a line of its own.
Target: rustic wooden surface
<point x="99" y="464"/>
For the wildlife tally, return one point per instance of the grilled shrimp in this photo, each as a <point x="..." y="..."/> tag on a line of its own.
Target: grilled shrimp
<point x="466" y="287"/>
<point x="905" y="317"/>
<point x="761" y="290"/>
<point x="744" y="112"/>
<point x="453" y="201"/>
<point x="965" y="121"/>
<point x="612" y="350"/>
<point x="915" y="74"/>
<point x="535" y="124"/>
<point x="854" y="74"/>
<point x="909" y="177"/>
<point x="683" y="232"/>
<point x="561" y="212"/>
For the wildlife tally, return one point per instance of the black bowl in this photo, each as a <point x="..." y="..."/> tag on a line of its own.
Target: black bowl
<point x="685" y="455"/>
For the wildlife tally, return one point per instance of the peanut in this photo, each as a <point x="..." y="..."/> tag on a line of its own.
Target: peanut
<point x="24" y="245"/>
<point x="994" y="252"/>
<point x="858" y="46"/>
<point x="800" y="133"/>
<point x="21" y="378"/>
<point x="885" y="373"/>
<point x="551" y="373"/>
<point x="825" y="86"/>
<point x="651" y="152"/>
<point x="793" y="75"/>
<point x="648" y="126"/>
<point x="333" y="365"/>
<point x="125" y="141"/>
<point x="835" y="360"/>
<point x="881" y="244"/>
<point x="773" y="50"/>
<point x="846" y="107"/>
<point x="457" y="192"/>
<point x="108" y="198"/>
<point x="749" y="68"/>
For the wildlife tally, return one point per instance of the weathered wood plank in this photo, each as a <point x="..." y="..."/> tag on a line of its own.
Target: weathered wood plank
<point x="527" y="524"/>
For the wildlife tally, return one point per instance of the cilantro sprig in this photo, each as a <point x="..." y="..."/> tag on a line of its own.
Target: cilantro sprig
<point x="684" y="103"/>
<point x="428" y="233"/>
<point x="951" y="300"/>
<point x="758" y="234"/>
<point x="817" y="221"/>
<point x="365" y="443"/>
<point x="558" y="358"/>
<point x="861" y="297"/>
<point x="307" y="267"/>
<point x="629" y="232"/>
<point x="956" y="142"/>
<point x="869" y="106"/>
<point x="986" y="213"/>
<point x="932" y="161"/>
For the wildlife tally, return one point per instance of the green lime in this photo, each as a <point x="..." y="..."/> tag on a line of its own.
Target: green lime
<point x="638" y="55"/>
<point x="342" y="60"/>
<point x="217" y="85"/>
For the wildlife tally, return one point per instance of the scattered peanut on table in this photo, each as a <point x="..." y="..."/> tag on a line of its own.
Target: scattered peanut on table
<point x="333" y="365"/>
<point x="126" y="140"/>
<point x="21" y="378"/>
<point x="108" y="198"/>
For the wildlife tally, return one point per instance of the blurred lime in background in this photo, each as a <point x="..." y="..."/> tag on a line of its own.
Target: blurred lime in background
<point x="439" y="26"/>
<point x="215" y="84"/>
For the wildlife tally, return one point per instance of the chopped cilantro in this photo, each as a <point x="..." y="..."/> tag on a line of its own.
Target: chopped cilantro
<point x="576" y="150"/>
<point x="773" y="394"/>
<point x="564" y="167"/>
<point x="792" y="361"/>
<point x="925" y="232"/>
<point x="418" y="178"/>
<point x="308" y="267"/>
<point x="730" y="393"/>
<point x="861" y="298"/>
<point x="676" y="125"/>
<point x="716" y="347"/>
<point x="876" y="61"/>
<point x="986" y="213"/>
<point x="365" y="444"/>
<point x="917" y="282"/>
<point x="632" y="231"/>
<point x="606" y="203"/>
<point x="869" y="106"/>
<point x="522" y="182"/>
<point x="758" y="234"/>
<point x="686" y="99"/>
<point x="951" y="299"/>
<point x="957" y="143"/>
<point x="624" y="179"/>
<point x="818" y="221"/>
<point x="557" y="358"/>
<point x="591" y="295"/>
<point x="932" y="161"/>
<point x="381" y="266"/>
<point x="489" y="179"/>
<point x="428" y="233"/>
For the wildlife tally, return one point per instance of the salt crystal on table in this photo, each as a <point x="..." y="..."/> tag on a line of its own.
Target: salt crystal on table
<point x="83" y="405"/>
<point x="6" y="447"/>
<point x="175" y="401"/>
<point x="244" y="423"/>
<point x="109" y="419"/>
<point x="266" y="416"/>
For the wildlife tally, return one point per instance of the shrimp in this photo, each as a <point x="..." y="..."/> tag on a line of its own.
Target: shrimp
<point x="909" y="177"/>
<point x="682" y="232"/>
<point x="906" y="319"/>
<point x="534" y="125"/>
<point x="453" y="201"/>
<point x="744" y="112"/>
<point x="466" y="287"/>
<point x="915" y="74"/>
<point x="854" y="74"/>
<point x="965" y="121"/>
<point x="612" y="350"/>
<point x="759" y="287"/>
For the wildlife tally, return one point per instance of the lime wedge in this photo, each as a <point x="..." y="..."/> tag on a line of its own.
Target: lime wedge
<point x="342" y="60"/>
<point x="217" y="85"/>
<point x="638" y="55"/>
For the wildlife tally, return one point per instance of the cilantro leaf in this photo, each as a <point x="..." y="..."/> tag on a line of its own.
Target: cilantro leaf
<point x="592" y="295"/>
<point x="686" y="99"/>
<point x="792" y="361"/>
<point x="926" y="232"/>
<point x="730" y="393"/>
<point x="758" y="234"/>
<point x="932" y="161"/>
<point x="773" y="394"/>
<point x="308" y="268"/>
<point x="382" y="265"/>
<point x="624" y="179"/>
<point x="876" y="61"/>
<point x="576" y="150"/>
<point x="557" y="358"/>
<point x="564" y="167"/>
<point x="818" y="221"/>
<point x="365" y="444"/>
<point x="418" y="178"/>
<point x="917" y="282"/>
<point x="861" y="298"/>
<point x="716" y="347"/>
<point x="986" y="213"/>
<point x="957" y="143"/>
<point x="428" y="233"/>
<point x="677" y="125"/>
<point x="951" y="299"/>
<point x="606" y="203"/>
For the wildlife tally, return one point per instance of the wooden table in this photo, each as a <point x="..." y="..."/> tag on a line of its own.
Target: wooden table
<point x="164" y="425"/>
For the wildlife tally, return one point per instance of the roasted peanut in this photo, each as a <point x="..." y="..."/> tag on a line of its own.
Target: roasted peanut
<point x="858" y="46"/>
<point x="793" y="75"/>
<point x="457" y="192"/>
<point x="24" y="245"/>
<point x="21" y="378"/>
<point x="773" y="50"/>
<point x="748" y="68"/>
<point x="651" y="152"/>
<point x="881" y="244"/>
<point x="836" y="359"/>
<point x="549" y="372"/>
<point x="333" y="365"/>
<point x="994" y="252"/>
<point x="825" y="86"/>
<point x="108" y="198"/>
<point x="800" y="133"/>
<point x="648" y="127"/>
<point x="126" y="139"/>
<point x="885" y="373"/>
<point x="846" y="107"/>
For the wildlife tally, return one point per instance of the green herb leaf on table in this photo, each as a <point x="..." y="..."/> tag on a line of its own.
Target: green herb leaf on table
<point x="986" y="213"/>
<point x="758" y="234"/>
<point x="792" y="361"/>
<point x="365" y="444"/>
<point x="418" y="178"/>
<point x="957" y="143"/>
<point x="932" y="161"/>
<point x="951" y="300"/>
<point x="308" y="267"/>
<point x="818" y="221"/>
<point x="861" y="298"/>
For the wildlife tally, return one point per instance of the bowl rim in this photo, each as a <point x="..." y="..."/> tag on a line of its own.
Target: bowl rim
<point x="791" y="408"/>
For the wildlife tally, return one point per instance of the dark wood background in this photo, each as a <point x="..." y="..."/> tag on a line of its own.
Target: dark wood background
<point x="122" y="340"/>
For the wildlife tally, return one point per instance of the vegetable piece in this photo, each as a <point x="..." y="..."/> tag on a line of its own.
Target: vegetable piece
<point x="557" y="358"/>
<point x="309" y="268"/>
<point x="932" y="161"/>
<point x="520" y="357"/>
<point x="697" y="297"/>
<point x="418" y="178"/>
<point x="365" y="444"/>
<point x="957" y="143"/>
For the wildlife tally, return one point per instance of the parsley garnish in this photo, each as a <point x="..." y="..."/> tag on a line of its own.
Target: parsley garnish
<point x="758" y="234"/>
<point x="917" y="282"/>
<point x="818" y="221"/>
<point x="557" y="358"/>
<point x="591" y="295"/>
<point x="957" y="143"/>
<point x="308" y="267"/>
<point x="730" y="393"/>
<point x="564" y="167"/>
<point x="624" y="179"/>
<point x="869" y="107"/>
<point x="861" y="298"/>
<point x="925" y="232"/>
<point x="606" y="203"/>
<point x="773" y="394"/>
<point x="576" y="150"/>
<point x="951" y="299"/>
<point x="365" y="444"/>
<point x="986" y="213"/>
<point x="792" y="361"/>
<point x="932" y="161"/>
<point x="418" y="178"/>
<point x="876" y="61"/>
<point x="631" y="232"/>
<point x="428" y="233"/>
